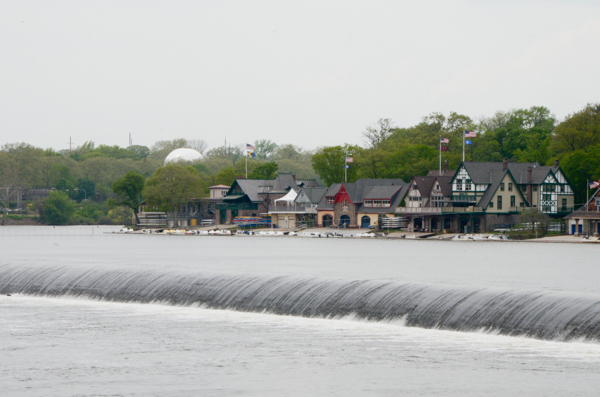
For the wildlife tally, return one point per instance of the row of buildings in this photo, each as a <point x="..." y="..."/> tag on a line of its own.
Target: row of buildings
<point x="477" y="197"/>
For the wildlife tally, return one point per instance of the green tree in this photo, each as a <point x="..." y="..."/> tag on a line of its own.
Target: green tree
<point x="264" y="148"/>
<point x="86" y="188"/>
<point x="226" y="176"/>
<point x="328" y="163"/>
<point x="68" y="187"/>
<point x="57" y="209"/>
<point x="129" y="191"/>
<point x="264" y="171"/>
<point x="171" y="186"/>
<point x="579" y="131"/>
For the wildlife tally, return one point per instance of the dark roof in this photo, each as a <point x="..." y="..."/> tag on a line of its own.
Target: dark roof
<point x="497" y="176"/>
<point x="585" y="209"/>
<point x="380" y="192"/>
<point x="449" y="173"/>
<point x="332" y="191"/>
<point x="252" y="187"/>
<point x="314" y="194"/>
<point x="445" y="184"/>
<point x="374" y="188"/>
<point x="424" y="184"/>
<point x="396" y="200"/>
<point x="480" y="171"/>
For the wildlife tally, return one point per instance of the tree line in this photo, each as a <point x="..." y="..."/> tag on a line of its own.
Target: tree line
<point x="521" y="135"/>
<point x="94" y="180"/>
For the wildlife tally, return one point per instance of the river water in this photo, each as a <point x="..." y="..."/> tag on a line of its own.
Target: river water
<point x="81" y="344"/>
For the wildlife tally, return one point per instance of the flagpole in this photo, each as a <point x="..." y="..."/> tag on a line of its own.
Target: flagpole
<point x="345" y="169"/>
<point x="587" y="196"/>
<point x="440" y="170"/>
<point x="464" y="146"/>
<point x="246" y="162"/>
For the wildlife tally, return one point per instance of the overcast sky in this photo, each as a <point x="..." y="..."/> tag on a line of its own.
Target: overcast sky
<point x="311" y="73"/>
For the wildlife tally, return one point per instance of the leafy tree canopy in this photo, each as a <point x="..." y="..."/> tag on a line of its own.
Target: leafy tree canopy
<point x="129" y="191"/>
<point x="57" y="209"/>
<point x="264" y="171"/>
<point x="171" y="186"/>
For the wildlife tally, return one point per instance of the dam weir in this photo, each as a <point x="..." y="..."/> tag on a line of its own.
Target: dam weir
<point x="538" y="314"/>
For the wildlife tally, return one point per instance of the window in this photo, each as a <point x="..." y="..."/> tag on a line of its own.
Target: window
<point x="330" y="200"/>
<point x="499" y="202"/>
<point x="385" y="203"/>
<point x="523" y="188"/>
<point x="376" y="203"/>
<point x="562" y="188"/>
<point x="534" y="188"/>
<point x="468" y="186"/>
<point x="502" y="187"/>
<point x="564" y="205"/>
<point x="522" y="204"/>
<point x="510" y="187"/>
<point x="491" y="204"/>
<point x="369" y="203"/>
<point x="512" y="201"/>
<point x="458" y="185"/>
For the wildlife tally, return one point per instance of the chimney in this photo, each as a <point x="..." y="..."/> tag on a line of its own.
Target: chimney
<point x="529" y="179"/>
<point x="504" y="165"/>
<point x="294" y="176"/>
<point x="555" y="163"/>
<point x="446" y="166"/>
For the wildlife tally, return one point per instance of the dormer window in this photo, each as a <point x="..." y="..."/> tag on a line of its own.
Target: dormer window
<point x="369" y="203"/>
<point x="330" y="200"/>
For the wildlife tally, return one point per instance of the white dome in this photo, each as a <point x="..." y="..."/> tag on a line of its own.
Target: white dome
<point x="183" y="154"/>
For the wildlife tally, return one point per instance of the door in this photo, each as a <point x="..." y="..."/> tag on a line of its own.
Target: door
<point x="365" y="222"/>
<point x="327" y="220"/>
<point x="345" y="221"/>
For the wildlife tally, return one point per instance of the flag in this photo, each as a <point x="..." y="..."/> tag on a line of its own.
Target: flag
<point x="251" y="154"/>
<point x="250" y="147"/>
<point x="444" y="140"/>
<point x="349" y="159"/>
<point x="347" y="166"/>
<point x="468" y="142"/>
<point x="444" y="149"/>
<point x="594" y="185"/>
<point x="470" y="134"/>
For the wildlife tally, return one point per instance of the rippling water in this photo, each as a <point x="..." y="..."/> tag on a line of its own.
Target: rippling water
<point x="80" y="347"/>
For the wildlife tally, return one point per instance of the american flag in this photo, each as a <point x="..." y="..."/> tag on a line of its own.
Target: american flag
<point x="250" y="147"/>
<point x="470" y="134"/>
<point x="594" y="185"/>
<point x="349" y="159"/>
<point x="444" y="140"/>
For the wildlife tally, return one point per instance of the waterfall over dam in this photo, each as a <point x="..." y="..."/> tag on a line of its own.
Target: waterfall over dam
<point x="539" y="314"/>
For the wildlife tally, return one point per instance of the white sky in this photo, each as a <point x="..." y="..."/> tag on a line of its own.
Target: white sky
<point x="311" y="73"/>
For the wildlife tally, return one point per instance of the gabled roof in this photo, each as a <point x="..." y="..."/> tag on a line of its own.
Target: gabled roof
<point x="396" y="199"/>
<point x="445" y="184"/>
<point x="331" y="192"/>
<point x="374" y="188"/>
<point x="480" y="171"/>
<point x="424" y="184"/>
<point x="313" y="194"/>
<point x="252" y="187"/>
<point x="497" y="176"/>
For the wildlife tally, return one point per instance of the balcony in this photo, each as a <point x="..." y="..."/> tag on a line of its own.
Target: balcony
<point x="292" y="209"/>
<point x="420" y="210"/>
